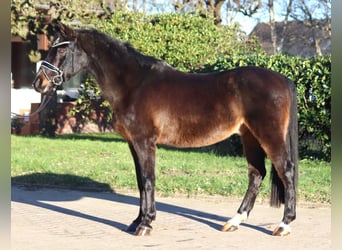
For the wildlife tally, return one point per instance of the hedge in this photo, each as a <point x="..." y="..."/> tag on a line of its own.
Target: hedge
<point x="194" y="44"/>
<point x="187" y="42"/>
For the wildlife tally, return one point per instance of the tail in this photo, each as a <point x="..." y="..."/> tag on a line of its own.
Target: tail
<point x="277" y="187"/>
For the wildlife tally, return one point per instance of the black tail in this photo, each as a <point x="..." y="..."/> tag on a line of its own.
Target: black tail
<point x="277" y="187"/>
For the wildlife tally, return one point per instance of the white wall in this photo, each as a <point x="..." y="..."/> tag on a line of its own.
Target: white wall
<point x="22" y="99"/>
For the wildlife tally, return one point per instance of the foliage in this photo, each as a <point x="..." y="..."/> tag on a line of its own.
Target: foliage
<point x="187" y="42"/>
<point x="31" y="17"/>
<point x="215" y="7"/>
<point x="16" y="123"/>
<point x="91" y="107"/>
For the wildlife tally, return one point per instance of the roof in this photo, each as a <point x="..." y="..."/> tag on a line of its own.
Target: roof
<point x="298" y="38"/>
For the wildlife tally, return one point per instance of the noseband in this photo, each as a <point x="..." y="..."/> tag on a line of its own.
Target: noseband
<point x="57" y="78"/>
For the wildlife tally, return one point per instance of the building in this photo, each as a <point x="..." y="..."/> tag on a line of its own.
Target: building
<point x="298" y="38"/>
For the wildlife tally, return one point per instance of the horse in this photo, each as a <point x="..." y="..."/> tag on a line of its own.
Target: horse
<point x="156" y="104"/>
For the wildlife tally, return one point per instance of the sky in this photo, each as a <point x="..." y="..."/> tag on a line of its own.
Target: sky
<point x="247" y="23"/>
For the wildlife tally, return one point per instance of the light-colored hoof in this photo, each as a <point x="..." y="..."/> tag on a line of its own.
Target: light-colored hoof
<point x="233" y="224"/>
<point x="228" y="227"/>
<point x="282" y="230"/>
<point x="143" y="231"/>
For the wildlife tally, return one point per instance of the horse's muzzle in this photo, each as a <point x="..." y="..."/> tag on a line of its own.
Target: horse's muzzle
<point x="41" y="84"/>
<point x="36" y="84"/>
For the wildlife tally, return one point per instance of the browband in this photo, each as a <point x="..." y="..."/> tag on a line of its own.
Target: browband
<point x="61" y="43"/>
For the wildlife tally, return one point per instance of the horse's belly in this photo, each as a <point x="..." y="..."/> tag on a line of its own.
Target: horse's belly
<point x="196" y="135"/>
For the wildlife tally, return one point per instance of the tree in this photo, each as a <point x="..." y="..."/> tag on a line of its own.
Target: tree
<point x="286" y="19"/>
<point x="31" y="17"/>
<point x="202" y="7"/>
<point x="272" y="25"/>
<point x="246" y="7"/>
<point x="317" y="16"/>
<point x="278" y="42"/>
<point x="214" y="8"/>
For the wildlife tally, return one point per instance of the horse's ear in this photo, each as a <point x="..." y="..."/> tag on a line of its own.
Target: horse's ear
<point x="66" y="32"/>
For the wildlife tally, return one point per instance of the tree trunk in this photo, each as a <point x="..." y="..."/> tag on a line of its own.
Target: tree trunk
<point x="283" y="33"/>
<point x="229" y="13"/>
<point x="272" y="26"/>
<point x="317" y="43"/>
<point x="217" y="11"/>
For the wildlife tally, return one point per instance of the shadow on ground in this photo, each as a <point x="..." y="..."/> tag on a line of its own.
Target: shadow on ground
<point x="103" y="191"/>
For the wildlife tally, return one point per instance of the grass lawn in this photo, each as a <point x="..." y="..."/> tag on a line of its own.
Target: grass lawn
<point x="103" y="161"/>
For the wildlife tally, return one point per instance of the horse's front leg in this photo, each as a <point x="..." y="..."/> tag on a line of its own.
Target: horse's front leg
<point x="144" y="158"/>
<point x="133" y="227"/>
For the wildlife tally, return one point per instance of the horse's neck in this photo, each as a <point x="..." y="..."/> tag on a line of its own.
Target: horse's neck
<point x="114" y="79"/>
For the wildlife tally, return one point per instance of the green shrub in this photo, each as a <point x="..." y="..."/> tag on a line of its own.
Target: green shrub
<point x="186" y="42"/>
<point x="91" y="107"/>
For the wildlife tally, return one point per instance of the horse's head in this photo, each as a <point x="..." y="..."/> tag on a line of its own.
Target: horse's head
<point x="64" y="60"/>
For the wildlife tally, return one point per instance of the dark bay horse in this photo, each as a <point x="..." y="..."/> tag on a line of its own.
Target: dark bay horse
<point x="153" y="103"/>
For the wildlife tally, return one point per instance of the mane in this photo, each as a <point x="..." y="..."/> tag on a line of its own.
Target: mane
<point x="125" y="50"/>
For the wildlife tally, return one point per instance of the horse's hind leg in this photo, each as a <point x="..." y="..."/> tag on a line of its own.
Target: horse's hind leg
<point x="256" y="172"/>
<point x="285" y="169"/>
<point x="284" y="185"/>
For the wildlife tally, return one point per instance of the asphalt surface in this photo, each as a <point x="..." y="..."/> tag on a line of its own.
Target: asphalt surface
<point x="43" y="218"/>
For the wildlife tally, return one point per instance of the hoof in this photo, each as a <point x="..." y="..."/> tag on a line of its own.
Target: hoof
<point x="282" y="230"/>
<point x="228" y="227"/>
<point x="233" y="224"/>
<point x="143" y="231"/>
<point x="132" y="228"/>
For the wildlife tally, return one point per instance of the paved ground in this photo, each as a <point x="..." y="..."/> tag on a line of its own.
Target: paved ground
<point x="65" y="219"/>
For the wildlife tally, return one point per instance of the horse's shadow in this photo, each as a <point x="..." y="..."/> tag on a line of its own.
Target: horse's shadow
<point x="40" y="198"/>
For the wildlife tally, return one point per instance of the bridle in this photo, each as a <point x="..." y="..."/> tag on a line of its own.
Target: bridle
<point x="57" y="78"/>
